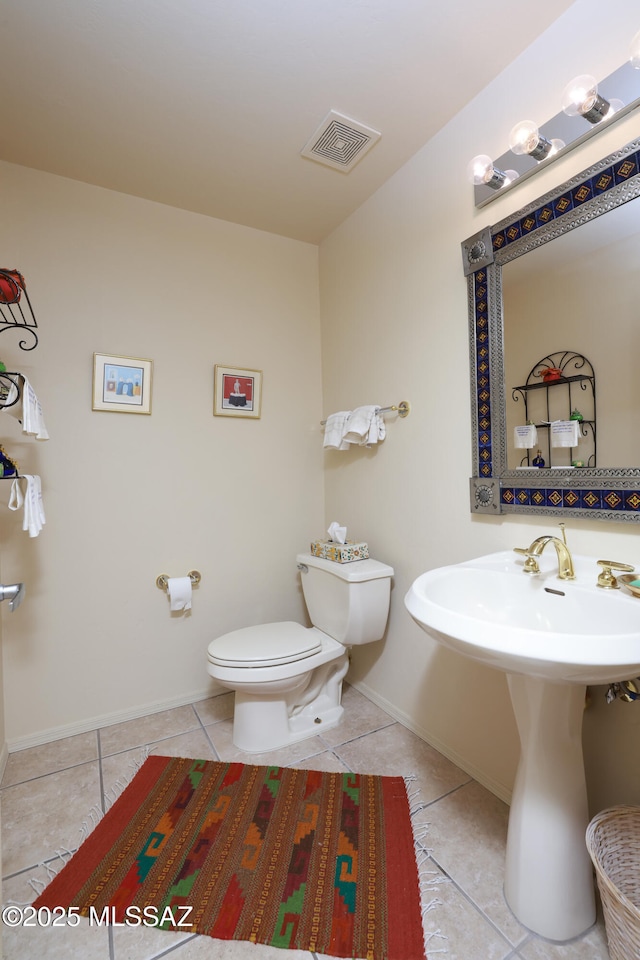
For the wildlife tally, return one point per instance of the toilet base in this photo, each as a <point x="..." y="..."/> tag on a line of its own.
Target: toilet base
<point x="279" y="713"/>
<point x="259" y="726"/>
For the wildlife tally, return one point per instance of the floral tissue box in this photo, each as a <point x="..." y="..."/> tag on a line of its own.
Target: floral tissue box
<point x="340" y="552"/>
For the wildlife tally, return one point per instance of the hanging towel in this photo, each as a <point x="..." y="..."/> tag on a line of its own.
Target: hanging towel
<point x="34" y="518"/>
<point x="335" y="429"/>
<point x="565" y="433"/>
<point x="525" y="436"/>
<point x="366" y="426"/>
<point x="29" y="411"/>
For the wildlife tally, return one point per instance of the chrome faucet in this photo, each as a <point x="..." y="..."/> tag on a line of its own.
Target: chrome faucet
<point x="13" y="592"/>
<point x="565" y="560"/>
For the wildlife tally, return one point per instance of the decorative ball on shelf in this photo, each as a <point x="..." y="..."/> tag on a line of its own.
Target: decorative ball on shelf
<point x="550" y="373"/>
<point x="11" y="285"/>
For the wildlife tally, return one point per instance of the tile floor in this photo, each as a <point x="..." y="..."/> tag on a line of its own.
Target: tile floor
<point x="48" y="791"/>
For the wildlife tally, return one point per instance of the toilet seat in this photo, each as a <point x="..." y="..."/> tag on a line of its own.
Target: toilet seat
<point x="265" y="645"/>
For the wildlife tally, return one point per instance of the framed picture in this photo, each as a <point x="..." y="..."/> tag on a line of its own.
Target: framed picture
<point x="121" y="384"/>
<point x="237" y="392"/>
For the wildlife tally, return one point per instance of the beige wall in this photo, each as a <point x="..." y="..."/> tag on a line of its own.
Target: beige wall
<point x="394" y="309"/>
<point x="128" y="497"/>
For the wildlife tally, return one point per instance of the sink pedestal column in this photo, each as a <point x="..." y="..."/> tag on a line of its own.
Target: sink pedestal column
<point x="548" y="875"/>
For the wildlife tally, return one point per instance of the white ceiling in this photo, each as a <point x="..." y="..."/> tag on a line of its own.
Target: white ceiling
<point x="206" y="104"/>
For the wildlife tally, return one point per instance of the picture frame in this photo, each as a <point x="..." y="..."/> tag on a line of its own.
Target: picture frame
<point x="121" y="384"/>
<point x="237" y="392"/>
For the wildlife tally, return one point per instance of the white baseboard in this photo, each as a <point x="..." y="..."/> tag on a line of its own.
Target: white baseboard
<point x="500" y="790"/>
<point x="105" y="720"/>
<point x="4" y="756"/>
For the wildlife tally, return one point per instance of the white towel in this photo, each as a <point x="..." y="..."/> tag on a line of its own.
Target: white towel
<point x="366" y="426"/>
<point x="525" y="436"/>
<point x="565" y="433"/>
<point x="334" y="430"/>
<point x="29" y="411"/>
<point x="34" y="518"/>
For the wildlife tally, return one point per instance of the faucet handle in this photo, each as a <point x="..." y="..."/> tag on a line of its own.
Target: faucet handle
<point x="531" y="563"/>
<point x="606" y="579"/>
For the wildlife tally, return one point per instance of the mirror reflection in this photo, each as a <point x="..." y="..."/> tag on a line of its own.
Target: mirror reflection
<point x="580" y="293"/>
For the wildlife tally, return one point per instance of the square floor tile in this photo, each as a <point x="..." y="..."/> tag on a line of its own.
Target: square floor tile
<point x="156" y="726"/>
<point x="41" y="815"/>
<point x="49" y="757"/>
<point x="396" y="751"/>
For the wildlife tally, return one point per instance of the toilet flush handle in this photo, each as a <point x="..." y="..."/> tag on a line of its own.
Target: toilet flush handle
<point x="303" y="568"/>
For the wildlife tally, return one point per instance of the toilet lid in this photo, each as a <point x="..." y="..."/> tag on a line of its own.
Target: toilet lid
<point x="265" y="645"/>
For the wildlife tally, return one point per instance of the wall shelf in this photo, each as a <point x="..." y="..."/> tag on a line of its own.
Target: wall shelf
<point x="556" y="400"/>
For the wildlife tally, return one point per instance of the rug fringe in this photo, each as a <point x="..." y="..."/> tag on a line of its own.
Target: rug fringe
<point x="427" y="879"/>
<point x="430" y="936"/>
<point x="87" y="826"/>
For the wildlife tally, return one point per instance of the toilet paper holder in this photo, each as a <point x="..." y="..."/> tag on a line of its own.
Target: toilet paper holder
<point x="162" y="581"/>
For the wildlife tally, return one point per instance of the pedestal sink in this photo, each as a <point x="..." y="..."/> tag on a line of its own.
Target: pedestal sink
<point x="552" y="638"/>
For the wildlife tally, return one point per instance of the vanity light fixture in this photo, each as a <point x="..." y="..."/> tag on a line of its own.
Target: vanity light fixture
<point x="526" y="139"/>
<point x="482" y="170"/>
<point x="531" y="148"/>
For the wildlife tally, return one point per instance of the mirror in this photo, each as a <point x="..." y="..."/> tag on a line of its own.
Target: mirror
<point x="550" y="278"/>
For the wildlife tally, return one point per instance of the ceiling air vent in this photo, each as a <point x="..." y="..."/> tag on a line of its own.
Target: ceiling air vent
<point x="340" y="142"/>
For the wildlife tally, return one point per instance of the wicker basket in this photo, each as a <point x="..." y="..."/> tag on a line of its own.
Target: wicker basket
<point x="613" y="842"/>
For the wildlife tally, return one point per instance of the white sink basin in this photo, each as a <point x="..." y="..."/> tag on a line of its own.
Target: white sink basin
<point x="537" y="625"/>
<point x="551" y="637"/>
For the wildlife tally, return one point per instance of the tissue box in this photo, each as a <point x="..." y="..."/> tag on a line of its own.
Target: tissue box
<point x="340" y="552"/>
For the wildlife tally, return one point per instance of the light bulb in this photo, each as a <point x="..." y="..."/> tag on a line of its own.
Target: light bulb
<point x="482" y="171"/>
<point x="580" y="98"/>
<point x="525" y="140"/>
<point x="478" y="167"/>
<point x="634" y="52"/>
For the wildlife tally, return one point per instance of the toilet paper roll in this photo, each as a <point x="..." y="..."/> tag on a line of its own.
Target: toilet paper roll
<point x="179" y="592"/>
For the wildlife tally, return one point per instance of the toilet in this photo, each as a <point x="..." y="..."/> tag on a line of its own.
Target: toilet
<point x="288" y="678"/>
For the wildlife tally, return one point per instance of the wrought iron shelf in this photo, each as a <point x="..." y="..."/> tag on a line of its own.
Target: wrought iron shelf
<point x="577" y="373"/>
<point x="556" y="382"/>
<point x="8" y="380"/>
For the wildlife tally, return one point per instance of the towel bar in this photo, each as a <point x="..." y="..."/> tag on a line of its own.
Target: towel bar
<point x="162" y="581"/>
<point x="403" y="408"/>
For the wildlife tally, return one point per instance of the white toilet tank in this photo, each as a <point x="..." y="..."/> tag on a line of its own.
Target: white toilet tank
<point x="347" y="601"/>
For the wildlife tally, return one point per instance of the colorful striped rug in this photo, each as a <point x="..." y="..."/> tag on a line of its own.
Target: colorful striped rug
<point x="298" y="859"/>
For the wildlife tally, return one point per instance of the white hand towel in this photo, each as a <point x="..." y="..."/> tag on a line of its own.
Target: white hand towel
<point x="334" y="430"/>
<point x="33" y="421"/>
<point x="29" y="411"/>
<point x="34" y="518"/>
<point x="525" y="436"/>
<point x="366" y="426"/>
<point x="16" y="497"/>
<point x="565" y="433"/>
